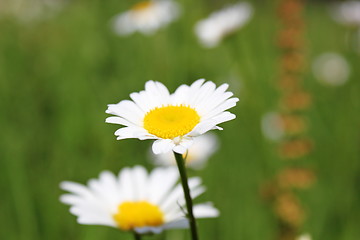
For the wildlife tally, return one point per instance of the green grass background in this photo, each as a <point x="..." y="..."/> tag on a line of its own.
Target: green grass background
<point x="58" y="75"/>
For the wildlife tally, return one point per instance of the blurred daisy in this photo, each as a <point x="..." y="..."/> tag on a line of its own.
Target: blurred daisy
<point x="304" y="237"/>
<point x="196" y="156"/>
<point x="146" y="17"/>
<point x="135" y="200"/>
<point x="29" y="11"/>
<point x="271" y="126"/>
<point x="172" y="119"/>
<point x="347" y="13"/>
<point x="218" y="25"/>
<point x="331" y="69"/>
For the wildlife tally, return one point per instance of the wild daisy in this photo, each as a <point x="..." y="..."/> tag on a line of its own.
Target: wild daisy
<point x="305" y="236"/>
<point x="173" y="120"/>
<point x="271" y="126"/>
<point x="347" y="13"/>
<point x="135" y="200"/>
<point x="30" y="11"/>
<point x="331" y="69"/>
<point x="212" y="30"/>
<point x="146" y="17"/>
<point x="196" y="156"/>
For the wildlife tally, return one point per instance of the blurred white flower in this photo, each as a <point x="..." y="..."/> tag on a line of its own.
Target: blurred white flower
<point x="212" y="30"/>
<point x="305" y="236"/>
<point x="347" y="13"/>
<point x="135" y="200"/>
<point x="197" y="155"/>
<point x="331" y="69"/>
<point x="27" y="11"/>
<point x="271" y="126"/>
<point x="146" y="17"/>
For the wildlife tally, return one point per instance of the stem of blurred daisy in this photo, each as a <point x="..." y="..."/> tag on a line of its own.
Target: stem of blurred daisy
<point x="180" y="161"/>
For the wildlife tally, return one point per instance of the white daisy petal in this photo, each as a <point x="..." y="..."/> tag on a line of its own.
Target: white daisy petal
<point x="126" y="185"/>
<point x="179" y="149"/>
<point x="162" y="146"/>
<point x="205" y="211"/>
<point x="176" y="195"/>
<point x="96" y="221"/>
<point x="173" y="119"/>
<point x="147" y="230"/>
<point x="219" y="109"/>
<point x="203" y="127"/>
<point x="75" y="188"/>
<point x="140" y="179"/>
<point x="161" y="181"/>
<point x="120" y="201"/>
<point x="197" y="155"/>
<point x="179" y="224"/>
<point x="224" y="117"/>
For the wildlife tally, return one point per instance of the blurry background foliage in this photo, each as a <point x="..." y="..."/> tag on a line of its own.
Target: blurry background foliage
<point x="57" y="74"/>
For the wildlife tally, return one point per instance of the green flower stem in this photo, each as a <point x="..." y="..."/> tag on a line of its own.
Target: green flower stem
<point x="137" y="236"/>
<point x="189" y="204"/>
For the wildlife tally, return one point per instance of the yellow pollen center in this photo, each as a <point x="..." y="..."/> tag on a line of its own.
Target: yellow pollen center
<point x="171" y="121"/>
<point x="142" y="5"/>
<point x="132" y="215"/>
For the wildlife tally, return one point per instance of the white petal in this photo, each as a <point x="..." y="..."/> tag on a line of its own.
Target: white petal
<point x="162" y="146"/>
<point x="127" y="110"/>
<point x="146" y="230"/>
<point x="224" y="117"/>
<point x="161" y="181"/>
<point x="181" y="95"/>
<point x="202" y="127"/>
<point x="126" y="185"/>
<point x="222" y="107"/>
<point x="119" y="120"/>
<point x="179" y="149"/>
<point x="75" y="188"/>
<point x="131" y="132"/>
<point x="205" y="211"/>
<point x="177" y="194"/>
<point x="179" y="224"/>
<point x="140" y="179"/>
<point x="94" y="220"/>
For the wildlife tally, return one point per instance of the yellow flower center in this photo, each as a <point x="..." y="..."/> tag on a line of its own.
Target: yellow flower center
<point x="132" y="215"/>
<point x="142" y="6"/>
<point x="171" y="121"/>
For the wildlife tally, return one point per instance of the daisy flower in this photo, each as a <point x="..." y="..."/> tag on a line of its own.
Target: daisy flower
<point x="173" y="120"/>
<point x="347" y="13"/>
<point x="212" y="30"/>
<point x="146" y="17"/>
<point x="331" y="69"/>
<point x="271" y="126"/>
<point x="304" y="237"/>
<point x="31" y="11"/>
<point x="135" y="200"/>
<point x="196" y="156"/>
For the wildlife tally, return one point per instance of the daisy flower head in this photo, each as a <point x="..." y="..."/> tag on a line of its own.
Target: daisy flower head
<point x="135" y="200"/>
<point x="271" y="126"/>
<point x="331" y="69"/>
<point x="218" y="25"/>
<point x="347" y="13"/>
<point x="196" y="156"/>
<point x="146" y="17"/>
<point x="304" y="236"/>
<point x="173" y="120"/>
